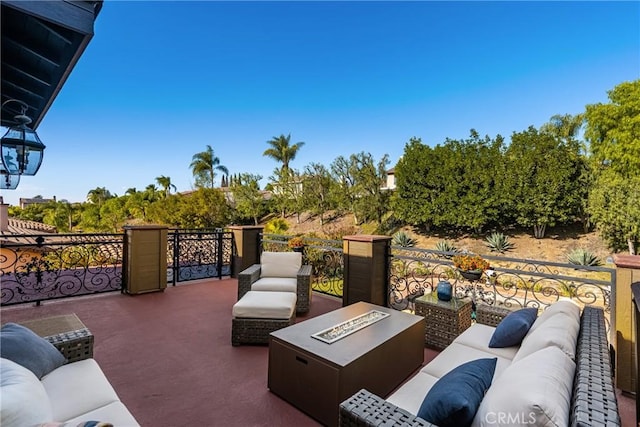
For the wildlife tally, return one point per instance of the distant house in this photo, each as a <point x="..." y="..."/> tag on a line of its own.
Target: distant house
<point x="34" y="201"/>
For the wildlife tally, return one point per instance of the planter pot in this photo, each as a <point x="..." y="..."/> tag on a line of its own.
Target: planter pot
<point x="471" y="274"/>
<point x="444" y="290"/>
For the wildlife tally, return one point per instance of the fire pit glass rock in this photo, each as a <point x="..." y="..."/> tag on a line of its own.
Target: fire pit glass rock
<point x="341" y="330"/>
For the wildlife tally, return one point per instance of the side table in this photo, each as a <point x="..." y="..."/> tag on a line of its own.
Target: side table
<point x="445" y="320"/>
<point x="67" y="333"/>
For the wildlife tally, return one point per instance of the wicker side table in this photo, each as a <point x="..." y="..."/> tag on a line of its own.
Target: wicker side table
<point x="445" y="320"/>
<point x="67" y="333"/>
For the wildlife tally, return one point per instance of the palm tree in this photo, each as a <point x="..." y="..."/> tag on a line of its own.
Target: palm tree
<point x="98" y="195"/>
<point x="165" y="183"/>
<point x="204" y="165"/>
<point x="281" y="151"/>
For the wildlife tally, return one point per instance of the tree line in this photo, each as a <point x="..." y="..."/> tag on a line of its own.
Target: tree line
<point x="581" y="168"/>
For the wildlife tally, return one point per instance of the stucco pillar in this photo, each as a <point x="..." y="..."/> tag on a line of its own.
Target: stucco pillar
<point x="624" y="342"/>
<point x="246" y="247"/>
<point x="366" y="269"/>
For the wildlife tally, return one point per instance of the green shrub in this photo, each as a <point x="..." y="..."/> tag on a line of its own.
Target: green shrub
<point x="403" y="239"/>
<point x="582" y="256"/>
<point x="276" y="226"/>
<point x="446" y="246"/>
<point x="498" y="242"/>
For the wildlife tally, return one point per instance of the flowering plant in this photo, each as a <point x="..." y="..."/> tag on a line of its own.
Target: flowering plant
<point x="296" y="242"/>
<point x="470" y="263"/>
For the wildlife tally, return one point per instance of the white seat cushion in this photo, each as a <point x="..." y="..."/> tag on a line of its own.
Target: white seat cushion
<point x="410" y="396"/>
<point x="455" y="355"/>
<point x="277" y="284"/>
<point x="23" y="399"/>
<point x="535" y="391"/>
<point x="115" y="413"/>
<point x="280" y="264"/>
<point x="478" y="336"/>
<point x="265" y="305"/>
<point x="77" y="388"/>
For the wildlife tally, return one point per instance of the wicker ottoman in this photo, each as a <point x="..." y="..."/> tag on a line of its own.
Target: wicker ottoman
<point x="258" y="313"/>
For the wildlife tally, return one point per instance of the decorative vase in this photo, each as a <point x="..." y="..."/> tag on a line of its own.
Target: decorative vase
<point x="471" y="274"/>
<point x="298" y="249"/>
<point x="444" y="290"/>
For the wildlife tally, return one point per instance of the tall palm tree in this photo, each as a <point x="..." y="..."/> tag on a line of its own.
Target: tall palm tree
<point x="281" y="150"/>
<point x="98" y="195"/>
<point x="204" y="165"/>
<point x="165" y="183"/>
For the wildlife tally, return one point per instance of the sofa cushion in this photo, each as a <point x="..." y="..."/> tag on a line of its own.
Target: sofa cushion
<point x="533" y="391"/>
<point x="277" y="284"/>
<point x="479" y="335"/>
<point x="280" y="264"/>
<point x="455" y="398"/>
<point x="456" y="354"/>
<point x="24" y="347"/>
<point x="77" y="388"/>
<point x="23" y="399"/>
<point x="560" y="330"/>
<point x="566" y="306"/>
<point x="115" y="413"/>
<point x="410" y="396"/>
<point x="513" y="328"/>
<point x="265" y="305"/>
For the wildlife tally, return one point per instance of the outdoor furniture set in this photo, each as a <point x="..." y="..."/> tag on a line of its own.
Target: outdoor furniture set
<point x="509" y="368"/>
<point x="269" y="295"/>
<point x="48" y="375"/>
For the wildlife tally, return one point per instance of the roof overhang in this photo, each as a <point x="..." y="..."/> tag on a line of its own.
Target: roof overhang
<point x="41" y="43"/>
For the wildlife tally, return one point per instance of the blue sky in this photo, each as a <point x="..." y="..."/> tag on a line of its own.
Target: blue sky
<point x="161" y="80"/>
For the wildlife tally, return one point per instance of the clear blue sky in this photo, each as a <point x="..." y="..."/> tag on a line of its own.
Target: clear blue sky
<point x="161" y="80"/>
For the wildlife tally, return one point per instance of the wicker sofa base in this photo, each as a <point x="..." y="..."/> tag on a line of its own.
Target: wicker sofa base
<point x="256" y="331"/>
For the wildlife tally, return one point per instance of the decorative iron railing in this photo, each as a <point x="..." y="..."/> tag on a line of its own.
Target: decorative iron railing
<point x="324" y="255"/>
<point x="511" y="282"/>
<point x="198" y="254"/>
<point x="35" y="268"/>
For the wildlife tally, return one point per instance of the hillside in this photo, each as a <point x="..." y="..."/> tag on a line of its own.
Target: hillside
<point x="554" y="247"/>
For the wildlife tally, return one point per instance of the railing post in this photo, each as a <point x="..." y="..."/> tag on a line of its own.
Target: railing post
<point x="246" y="248"/>
<point x="627" y="273"/>
<point x="366" y="269"/>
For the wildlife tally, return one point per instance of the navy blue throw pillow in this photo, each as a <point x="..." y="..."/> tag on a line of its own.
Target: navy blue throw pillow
<point x="22" y="346"/>
<point x="454" y="399"/>
<point x="512" y="329"/>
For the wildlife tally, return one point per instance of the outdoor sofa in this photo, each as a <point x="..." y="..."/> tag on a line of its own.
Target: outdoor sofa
<point x="560" y="374"/>
<point x="55" y="382"/>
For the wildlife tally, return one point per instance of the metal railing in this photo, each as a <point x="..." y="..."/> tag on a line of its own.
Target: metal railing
<point x="324" y="255"/>
<point x="198" y="254"/>
<point x="511" y="282"/>
<point x="34" y="268"/>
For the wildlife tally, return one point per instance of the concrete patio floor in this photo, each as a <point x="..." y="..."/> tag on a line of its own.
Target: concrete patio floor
<point x="169" y="356"/>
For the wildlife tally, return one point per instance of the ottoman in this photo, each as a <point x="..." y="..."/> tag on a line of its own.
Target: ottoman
<point x="258" y="313"/>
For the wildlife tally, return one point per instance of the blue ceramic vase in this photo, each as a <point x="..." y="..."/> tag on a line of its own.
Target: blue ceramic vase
<point x="444" y="290"/>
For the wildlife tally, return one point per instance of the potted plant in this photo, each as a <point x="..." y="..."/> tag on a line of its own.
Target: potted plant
<point x="296" y="244"/>
<point x="470" y="266"/>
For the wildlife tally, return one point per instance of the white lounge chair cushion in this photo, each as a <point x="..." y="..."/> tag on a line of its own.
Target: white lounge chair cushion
<point x="280" y="264"/>
<point x="278" y="284"/>
<point x="564" y="306"/>
<point x="533" y="391"/>
<point x="265" y="305"/>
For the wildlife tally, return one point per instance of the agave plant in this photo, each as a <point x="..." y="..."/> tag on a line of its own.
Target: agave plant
<point x="582" y="256"/>
<point x="403" y="239"/>
<point x="498" y="242"/>
<point x="446" y="246"/>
